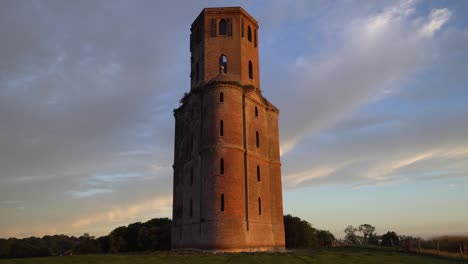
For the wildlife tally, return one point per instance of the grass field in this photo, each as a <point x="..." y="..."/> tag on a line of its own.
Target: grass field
<point x="332" y="256"/>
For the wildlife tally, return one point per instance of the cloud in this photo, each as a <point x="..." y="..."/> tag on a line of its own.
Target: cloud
<point x="378" y="52"/>
<point x="437" y="19"/>
<point x="161" y="206"/>
<point x="89" y="193"/>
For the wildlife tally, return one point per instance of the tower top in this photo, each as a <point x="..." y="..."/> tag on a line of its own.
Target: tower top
<point x="231" y="10"/>
<point x="224" y="44"/>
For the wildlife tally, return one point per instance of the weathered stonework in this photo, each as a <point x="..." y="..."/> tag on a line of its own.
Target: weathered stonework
<point x="227" y="170"/>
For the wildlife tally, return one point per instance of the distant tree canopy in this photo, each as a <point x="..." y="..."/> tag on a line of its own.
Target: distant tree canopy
<point x="152" y="235"/>
<point x="390" y="239"/>
<point x="300" y="234"/>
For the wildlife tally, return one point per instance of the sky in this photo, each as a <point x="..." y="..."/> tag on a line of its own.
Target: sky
<point x="372" y="97"/>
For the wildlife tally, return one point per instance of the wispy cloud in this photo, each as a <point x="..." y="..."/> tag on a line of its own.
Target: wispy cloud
<point x="377" y="51"/>
<point x="89" y="193"/>
<point x="156" y="206"/>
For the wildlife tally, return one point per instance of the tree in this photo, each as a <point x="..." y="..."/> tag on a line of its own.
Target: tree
<point x="144" y="239"/>
<point x="325" y="238"/>
<point x="390" y="239"/>
<point x="299" y="233"/>
<point x="350" y="236"/>
<point x="367" y="231"/>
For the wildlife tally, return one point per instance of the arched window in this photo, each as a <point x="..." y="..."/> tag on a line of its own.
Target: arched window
<point x="258" y="173"/>
<point x="250" y="70"/>
<point x="221" y="166"/>
<point x="191" y="208"/>
<point x="221" y="97"/>
<point x="256" y="112"/>
<point x="255" y="38"/>
<point x="223" y="63"/>
<point x="249" y="33"/>
<point x="222" y="30"/>
<point x="257" y="136"/>
<point x="222" y="202"/>
<point x="191" y="176"/>
<point x="259" y="206"/>
<point x="221" y="128"/>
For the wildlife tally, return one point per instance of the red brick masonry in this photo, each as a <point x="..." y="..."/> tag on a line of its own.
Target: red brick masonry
<point x="227" y="170"/>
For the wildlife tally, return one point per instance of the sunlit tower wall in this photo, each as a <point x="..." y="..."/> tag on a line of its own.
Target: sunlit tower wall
<point x="227" y="192"/>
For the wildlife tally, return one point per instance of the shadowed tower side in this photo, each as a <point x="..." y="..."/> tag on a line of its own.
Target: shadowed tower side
<point x="227" y="171"/>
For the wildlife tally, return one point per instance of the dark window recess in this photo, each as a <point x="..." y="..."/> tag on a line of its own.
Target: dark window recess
<point x="197" y="72"/>
<point x="256" y="112"/>
<point x="191" y="208"/>
<point x="249" y="33"/>
<point x="222" y="202"/>
<point x="221" y="128"/>
<point x="191" y="176"/>
<point x="258" y="173"/>
<point x="255" y="38"/>
<point x="223" y="63"/>
<point x="221" y="166"/>
<point x="221" y="97"/>
<point x="257" y="137"/>
<point x="259" y="206"/>
<point x="250" y="70"/>
<point x="222" y="30"/>
<point x="213" y="27"/>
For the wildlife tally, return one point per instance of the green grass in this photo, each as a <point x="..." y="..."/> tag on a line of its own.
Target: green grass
<point x="332" y="256"/>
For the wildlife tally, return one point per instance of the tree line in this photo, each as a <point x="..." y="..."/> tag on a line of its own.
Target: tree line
<point x="153" y="235"/>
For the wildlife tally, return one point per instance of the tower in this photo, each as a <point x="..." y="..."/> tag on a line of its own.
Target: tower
<point x="227" y="172"/>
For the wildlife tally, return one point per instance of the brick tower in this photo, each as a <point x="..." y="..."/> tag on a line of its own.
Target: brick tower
<point x="227" y="170"/>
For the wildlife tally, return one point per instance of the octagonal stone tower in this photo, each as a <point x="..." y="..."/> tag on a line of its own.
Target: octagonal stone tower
<point x="227" y="170"/>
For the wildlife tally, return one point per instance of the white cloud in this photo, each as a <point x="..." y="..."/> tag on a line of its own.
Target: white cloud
<point x="158" y="206"/>
<point x="377" y="52"/>
<point x="437" y="19"/>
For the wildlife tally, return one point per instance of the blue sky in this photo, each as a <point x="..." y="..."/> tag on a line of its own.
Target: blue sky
<point x="372" y="98"/>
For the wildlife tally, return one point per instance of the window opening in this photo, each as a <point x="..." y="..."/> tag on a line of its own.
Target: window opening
<point x="258" y="139"/>
<point x="222" y="30"/>
<point x="222" y="166"/>
<point x="223" y="64"/>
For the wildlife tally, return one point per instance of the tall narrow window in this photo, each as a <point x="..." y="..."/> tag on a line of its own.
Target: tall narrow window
<point x="257" y="137"/>
<point x="256" y="112"/>
<point x="223" y="63"/>
<point x="250" y="70"/>
<point x="259" y="206"/>
<point x="249" y="33"/>
<point x="242" y="27"/>
<point x="191" y="208"/>
<point x="222" y="30"/>
<point x="258" y="173"/>
<point x="221" y="166"/>
<point x="255" y="38"/>
<point x="221" y="97"/>
<point x="221" y="128"/>
<point x="213" y="27"/>
<point x="197" y="72"/>
<point x="222" y="202"/>
<point x="191" y="176"/>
